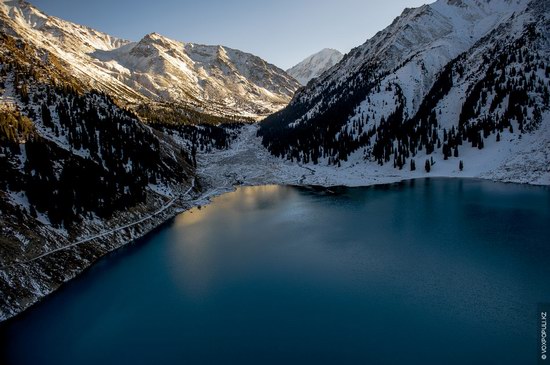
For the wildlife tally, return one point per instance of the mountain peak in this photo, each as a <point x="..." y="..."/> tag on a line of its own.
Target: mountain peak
<point x="314" y="65"/>
<point x="154" y="36"/>
<point x="23" y="12"/>
<point x="157" y="39"/>
<point x="453" y="65"/>
<point x="17" y="3"/>
<point x="329" y="50"/>
<point x="213" y="80"/>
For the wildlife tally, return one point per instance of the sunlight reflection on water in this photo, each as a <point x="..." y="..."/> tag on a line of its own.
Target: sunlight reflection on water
<point x="450" y="269"/>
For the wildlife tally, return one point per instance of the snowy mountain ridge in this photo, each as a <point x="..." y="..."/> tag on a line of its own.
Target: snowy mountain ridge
<point x="452" y="81"/>
<point x="215" y="80"/>
<point x="314" y="65"/>
<point x="423" y="39"/>
<point x="458" y="88"/>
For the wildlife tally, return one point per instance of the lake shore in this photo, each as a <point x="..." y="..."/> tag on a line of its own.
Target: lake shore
<point x="195" y="272"/>
<point x="246" y="163"/>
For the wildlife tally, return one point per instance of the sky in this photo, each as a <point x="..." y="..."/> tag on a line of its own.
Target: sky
<point x="283" y="32"/>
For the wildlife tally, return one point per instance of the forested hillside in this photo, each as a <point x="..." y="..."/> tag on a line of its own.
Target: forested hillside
<point x="68" y="153"/>
<point x="424" y="107"/>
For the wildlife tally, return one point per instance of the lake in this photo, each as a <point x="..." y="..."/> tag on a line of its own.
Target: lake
<point x="433" y="271"/>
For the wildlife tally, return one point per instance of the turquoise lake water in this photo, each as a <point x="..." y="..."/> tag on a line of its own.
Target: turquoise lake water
<point x="435" y="271"/>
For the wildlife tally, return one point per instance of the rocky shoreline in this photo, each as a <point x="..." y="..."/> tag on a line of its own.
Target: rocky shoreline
<point x="25" y="283"/>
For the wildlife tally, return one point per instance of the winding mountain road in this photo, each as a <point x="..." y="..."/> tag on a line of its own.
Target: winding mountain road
<point x="106" y="233"/>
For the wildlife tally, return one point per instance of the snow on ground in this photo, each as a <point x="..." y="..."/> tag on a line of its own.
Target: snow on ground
<point x="247" y="162"/>
<point x="524" y="159"/>
<point x="162" y="190"/>
<point x="220" y="80"/>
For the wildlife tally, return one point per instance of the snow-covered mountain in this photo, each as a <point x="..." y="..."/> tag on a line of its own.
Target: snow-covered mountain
<point x="215" y="80"/>
<point x="314" y="65"/>
<point x="73" y="164"/>
<point x="455" y="88"/>
<point x="441" y="82"/>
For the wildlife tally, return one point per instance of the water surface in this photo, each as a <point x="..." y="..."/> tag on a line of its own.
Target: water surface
<point x="436" y="271"/>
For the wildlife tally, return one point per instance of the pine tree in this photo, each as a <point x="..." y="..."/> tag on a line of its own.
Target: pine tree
<point x="428" y="165"/>
<point x="46" y="116"/>
<point x="413" y="165"/>
<point x="461" y="165"/>
<point x="32" y="212"/>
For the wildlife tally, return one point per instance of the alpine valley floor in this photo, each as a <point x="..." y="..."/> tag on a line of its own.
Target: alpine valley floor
<point x="525" y="159"/>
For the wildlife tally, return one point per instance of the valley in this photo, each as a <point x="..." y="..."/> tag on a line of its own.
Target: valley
<point x="102" y="139"/>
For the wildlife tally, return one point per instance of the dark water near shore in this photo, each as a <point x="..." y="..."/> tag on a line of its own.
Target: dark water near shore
<point x="437" y="271"/>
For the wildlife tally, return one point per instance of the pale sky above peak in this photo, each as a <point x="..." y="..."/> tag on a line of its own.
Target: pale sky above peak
<point x="283" y="32"/>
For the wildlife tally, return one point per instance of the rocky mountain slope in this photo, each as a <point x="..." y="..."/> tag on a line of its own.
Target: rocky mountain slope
<point x="80" y="172"/>
<point x="441" y="82"/>
<point x="314" y="65"/>
<point x="73" y="164"/>
<point x="455" y="88"/>
<point x="212" y="80"/>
